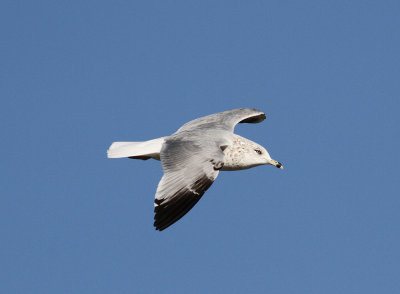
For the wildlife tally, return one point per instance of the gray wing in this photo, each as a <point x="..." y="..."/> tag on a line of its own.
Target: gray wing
<point x="226" y="120"/>
<point x="190" y="167"/>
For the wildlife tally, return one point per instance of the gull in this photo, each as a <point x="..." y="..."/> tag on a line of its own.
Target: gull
<point x="192" y="158"/>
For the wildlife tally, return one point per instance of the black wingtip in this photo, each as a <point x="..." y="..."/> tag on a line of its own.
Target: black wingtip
<point x="167" y="212"/>
<point x="254" y="119"/>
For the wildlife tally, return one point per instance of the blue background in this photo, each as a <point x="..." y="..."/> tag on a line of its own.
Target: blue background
<point x="77" y="75"/>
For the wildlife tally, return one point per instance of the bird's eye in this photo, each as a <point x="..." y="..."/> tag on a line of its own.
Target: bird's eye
<point x="258" y="151"/>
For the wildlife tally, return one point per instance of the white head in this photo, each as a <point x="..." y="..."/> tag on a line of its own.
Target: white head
<point x="244" y="154"/>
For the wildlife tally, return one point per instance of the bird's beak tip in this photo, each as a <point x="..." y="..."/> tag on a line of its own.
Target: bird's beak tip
<point x="277" y="164"/>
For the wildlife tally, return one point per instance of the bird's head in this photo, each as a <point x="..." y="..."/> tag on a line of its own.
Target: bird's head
<point x="244" y="154"/>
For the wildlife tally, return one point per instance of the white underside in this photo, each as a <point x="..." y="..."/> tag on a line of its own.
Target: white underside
<point x="239" y="155"/>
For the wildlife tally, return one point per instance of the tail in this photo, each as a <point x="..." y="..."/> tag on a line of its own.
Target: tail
<point x="137" y="150"/>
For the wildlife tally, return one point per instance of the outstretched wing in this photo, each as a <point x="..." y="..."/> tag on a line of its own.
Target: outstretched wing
<point x="226" y="120"/>
<point x="190" y="167"/>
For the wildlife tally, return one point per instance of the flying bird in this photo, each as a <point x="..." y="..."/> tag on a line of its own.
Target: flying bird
<point x="192" y="158"/>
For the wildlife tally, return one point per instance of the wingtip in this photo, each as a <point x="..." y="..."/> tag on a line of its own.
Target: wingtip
<point x="255" y="118"/>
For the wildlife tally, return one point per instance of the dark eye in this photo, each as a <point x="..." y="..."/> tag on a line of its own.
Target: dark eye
<point x="258" y="151"/>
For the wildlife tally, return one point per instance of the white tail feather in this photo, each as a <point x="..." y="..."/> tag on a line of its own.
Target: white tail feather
<point x="142" y="150"/>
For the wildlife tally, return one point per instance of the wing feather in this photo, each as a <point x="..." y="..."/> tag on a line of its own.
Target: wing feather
<point x="226" y="120"/>
<point x="189" y="170"/>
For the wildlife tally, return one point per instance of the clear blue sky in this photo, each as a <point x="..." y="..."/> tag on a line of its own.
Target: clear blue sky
<point x="78" y="75"/>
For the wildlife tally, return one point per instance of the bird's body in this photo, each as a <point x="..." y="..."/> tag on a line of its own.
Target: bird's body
<point x="192" y="158"/>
